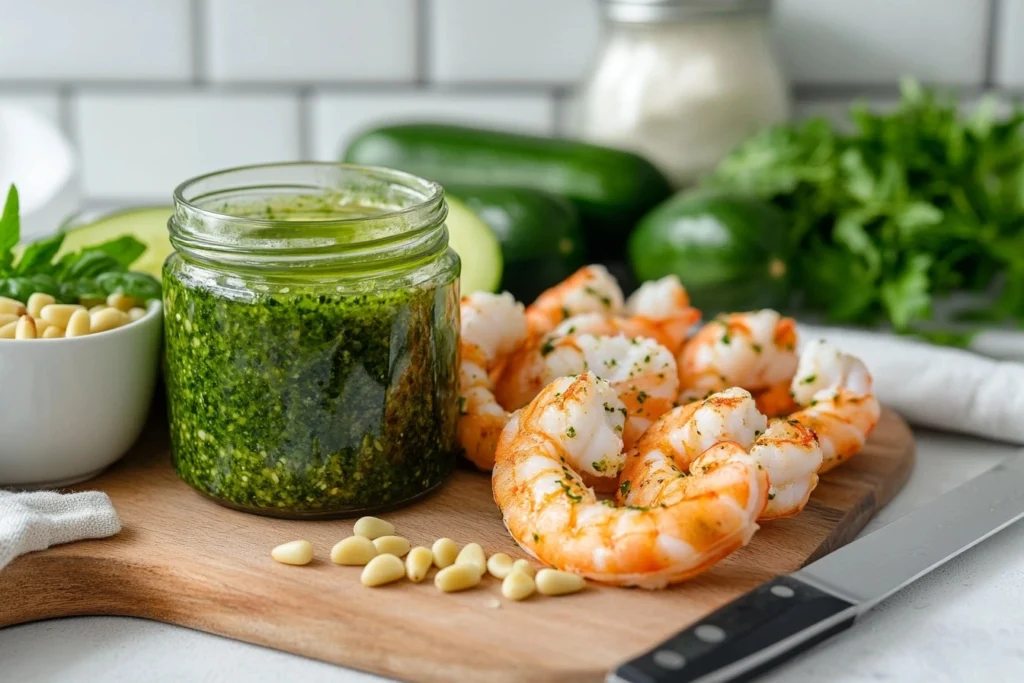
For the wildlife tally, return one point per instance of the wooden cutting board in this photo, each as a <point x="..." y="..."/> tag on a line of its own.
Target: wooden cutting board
<point x="184" y="560"/>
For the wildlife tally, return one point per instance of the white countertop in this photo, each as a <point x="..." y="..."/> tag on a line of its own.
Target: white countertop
<point x="962" y="622"/>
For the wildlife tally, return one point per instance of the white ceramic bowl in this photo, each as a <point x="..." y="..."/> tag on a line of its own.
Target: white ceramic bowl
<point x="71" y="407"/>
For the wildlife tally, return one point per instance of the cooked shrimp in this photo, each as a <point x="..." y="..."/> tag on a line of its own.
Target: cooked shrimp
<point x="641" y="371"/>
<point x="754" y="350"/>
<point x="591" y="289"/>
<point x="567" y="429"/>
<point x="493" y="325"/>
<point x="659" y="310"/>
<point x="776" y="400"/>
<point x="663" y="306"/>
<point x="788" y="453"/>
<point x="839" y="406"/>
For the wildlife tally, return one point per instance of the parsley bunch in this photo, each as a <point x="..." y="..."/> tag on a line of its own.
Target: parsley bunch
<point x="92" y="273"/>
<point x="908" y="208"/>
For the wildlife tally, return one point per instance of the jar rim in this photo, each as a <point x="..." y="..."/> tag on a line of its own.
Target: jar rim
<point x="408" y="227"/>
<point x="436" y="191"/>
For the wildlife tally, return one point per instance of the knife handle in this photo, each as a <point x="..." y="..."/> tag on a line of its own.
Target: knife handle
<point x="751" y="634"/>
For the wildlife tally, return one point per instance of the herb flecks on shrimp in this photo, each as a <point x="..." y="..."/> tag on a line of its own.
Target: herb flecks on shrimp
<point x="688" y="525"/>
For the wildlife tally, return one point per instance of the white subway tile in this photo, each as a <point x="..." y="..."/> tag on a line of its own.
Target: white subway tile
<point x="141" y="146"/>
<point x="311" y="40"/>
<point x="1009" y="45"/>
<point x="535" y="41"/>
<point x="337" y="118"/>
<point x="876" y="41"/>
<point x="99" y="39"/>
<point x="46" y="104"/>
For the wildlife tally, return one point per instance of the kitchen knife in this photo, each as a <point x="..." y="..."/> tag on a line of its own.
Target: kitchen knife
<point x="792" y="612"/>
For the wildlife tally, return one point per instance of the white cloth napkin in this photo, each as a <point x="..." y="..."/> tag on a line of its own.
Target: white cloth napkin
<point x="36" y="520"/>
<point x="935" y="386"/>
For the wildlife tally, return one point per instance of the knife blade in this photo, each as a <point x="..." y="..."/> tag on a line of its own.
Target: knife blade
<point x="795" y="611"/>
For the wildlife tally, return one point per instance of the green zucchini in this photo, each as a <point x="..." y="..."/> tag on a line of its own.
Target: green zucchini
<point x="477" y="247"/>
<point x="727" y="249"/>
<point x="146" y="224"/>
<point x="611" y="188"/>
<point x="539" y="232"/>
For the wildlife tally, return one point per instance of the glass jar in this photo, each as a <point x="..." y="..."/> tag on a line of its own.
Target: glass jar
<point x="683" y="81"/>
<point x="311" y="336"/>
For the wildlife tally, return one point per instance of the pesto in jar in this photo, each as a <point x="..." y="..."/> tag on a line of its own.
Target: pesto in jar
<point x="308" y="395"/>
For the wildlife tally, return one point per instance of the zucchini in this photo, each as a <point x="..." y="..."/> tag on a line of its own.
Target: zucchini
<point x="539" y="232"/>
<point x="611" y="188"/>
<point x="147" y="224"/>
<point x="467" y="235"/>
<point x="727" y="249"/>
<point x="476" y="246"/>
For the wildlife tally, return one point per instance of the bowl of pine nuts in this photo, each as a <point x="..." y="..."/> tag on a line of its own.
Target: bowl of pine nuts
<point x="76" y="385"/>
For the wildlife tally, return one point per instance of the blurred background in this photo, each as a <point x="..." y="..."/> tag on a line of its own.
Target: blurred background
<point x="152" y="92"/>
<point x="907" y="211"/>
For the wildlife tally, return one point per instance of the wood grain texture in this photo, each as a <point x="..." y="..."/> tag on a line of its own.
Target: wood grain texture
<point x="184" y="560"/>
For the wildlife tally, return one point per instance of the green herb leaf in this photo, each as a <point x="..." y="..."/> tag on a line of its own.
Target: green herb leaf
<point x="906" y="297"/>
<point x="10" y="229"/>
<point x="136" y="285"/>
<point x="37" y="256"/>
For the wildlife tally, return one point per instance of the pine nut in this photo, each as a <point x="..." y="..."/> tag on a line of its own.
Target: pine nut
<point x="7" y="331"/>
<point x="473" y="554"/>
<point x="11" y="306"/>
<point x="79" y="325"/>
<point x="392" y="545"/>
<point x="137" y="313"/>
<point x="525" y="567"/>
<point x="25" y="328"/>
<point x="499" y="565"/>
<point x="53" y="332"/>
<point x="418" y="563"/>
<point x="381" y="570"/>
<point x="97" y="308"/>
<point x="42" y="326"/>
<point x="121" y="302"/>
<point x="108" y="319"/>
<point x="373" y="527"/>
<point x="555" y="582"/>
<point x="293" y="552"/>
<point x="445" y="551"/>
<point x="353" y="551"/>
<point x="518" y="585"/>
<point x="457" y="577"/>
<point x="37" y="301"/>
<point x="7" y="318"/>
<point x="60" y="314"/>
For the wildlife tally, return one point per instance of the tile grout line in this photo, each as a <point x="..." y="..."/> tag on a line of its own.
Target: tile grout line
<point x="995" y="11"/>
<point x="559" y="94"/>
<point x="305" y="123"/>
<point x="423" y="42"/>
<point x="66" y="115"/>
<point x="197" y="27"/>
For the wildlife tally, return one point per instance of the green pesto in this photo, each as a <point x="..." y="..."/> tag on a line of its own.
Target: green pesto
<point x="301" y="400"/>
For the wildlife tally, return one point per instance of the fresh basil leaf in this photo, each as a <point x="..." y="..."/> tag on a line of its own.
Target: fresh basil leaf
<point x="91" y="264"/>
<point x="10" y="229"/>
<point x="125" y="250"/>
<point x="38" y="255"/>
<point x="136" y="285"/>
<point x="23" y="286"/>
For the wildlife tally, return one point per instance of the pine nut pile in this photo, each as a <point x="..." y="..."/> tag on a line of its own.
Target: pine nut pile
<point x="43" y="318"/>
<point x="376" y="548"/>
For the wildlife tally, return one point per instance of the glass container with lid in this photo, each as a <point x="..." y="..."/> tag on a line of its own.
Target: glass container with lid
<point x="683" y="81"/>
<point x="311" y="338"/>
